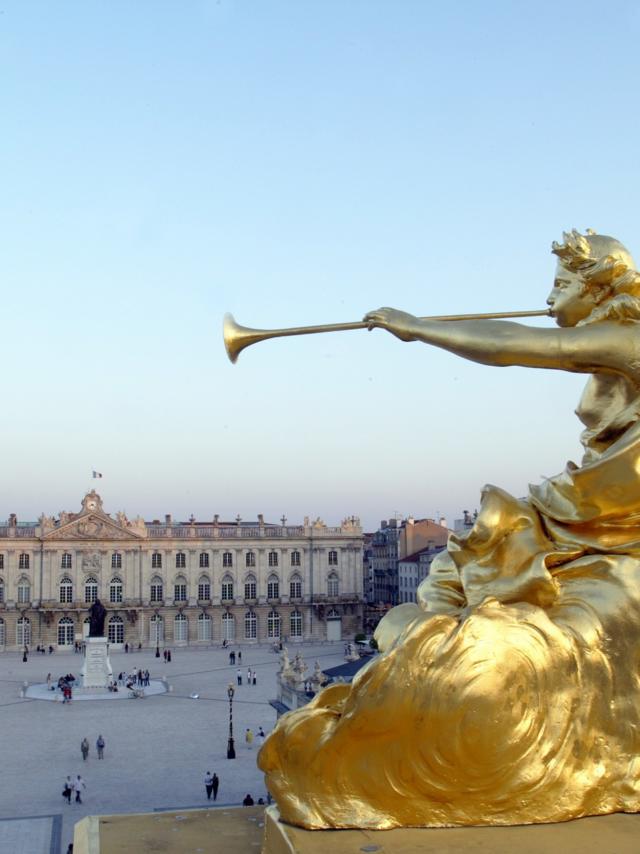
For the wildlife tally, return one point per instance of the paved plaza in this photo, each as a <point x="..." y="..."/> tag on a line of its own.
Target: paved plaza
<point x="157" y="749"/>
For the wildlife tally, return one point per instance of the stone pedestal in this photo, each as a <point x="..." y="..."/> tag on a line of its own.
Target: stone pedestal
<point x="96" y="669"/>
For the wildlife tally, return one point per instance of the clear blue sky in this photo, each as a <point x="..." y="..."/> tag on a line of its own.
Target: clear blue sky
<point x="293" y="163"/>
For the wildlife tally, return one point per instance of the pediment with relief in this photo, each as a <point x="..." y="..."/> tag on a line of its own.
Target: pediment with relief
<point x="92" y="523"/>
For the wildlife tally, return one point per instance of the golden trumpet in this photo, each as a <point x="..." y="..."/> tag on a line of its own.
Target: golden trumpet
<point x="237" y="337"/>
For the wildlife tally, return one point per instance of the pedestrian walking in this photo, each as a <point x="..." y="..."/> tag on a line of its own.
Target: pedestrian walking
<point x="261" y="734"/>
<point x="100" y="746"/>
<point x="126" y="647"/>
<point x="255" y="678"/>
<point x="164" y="653"/>
<point x="84" y="748"/>
<point x="169" y="656"/>
<point x="67" y="789"/>
<point x="239" y="676"/>
<point x="48" y="681"/>
<point x="248" y="676"/>
<point x="248" y="737"/>
<point x="208" y="784"/>
<point x="79" y="786"/>
<point x="216" y="783"/>
<point x="239" y="656"/>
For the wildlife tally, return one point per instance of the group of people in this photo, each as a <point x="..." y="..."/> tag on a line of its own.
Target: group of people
<point x="140" y="678"/>
<point x="232" y="657"/>
<point x="252" y="679"/>
<point x="84" y="747"/>
<point x="42" y="650"/>
<point x="76" y="786"/>
<point x="249" y="736"/>
<point x="64" y="684"/>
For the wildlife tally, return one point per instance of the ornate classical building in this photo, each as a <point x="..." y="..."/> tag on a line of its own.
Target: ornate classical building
<point x="177" y="583"/>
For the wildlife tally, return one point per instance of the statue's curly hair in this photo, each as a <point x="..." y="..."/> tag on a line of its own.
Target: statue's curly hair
<point x="607" y="269"/>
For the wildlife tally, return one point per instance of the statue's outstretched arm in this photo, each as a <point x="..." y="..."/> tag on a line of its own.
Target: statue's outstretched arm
<point x="585" y="349"/>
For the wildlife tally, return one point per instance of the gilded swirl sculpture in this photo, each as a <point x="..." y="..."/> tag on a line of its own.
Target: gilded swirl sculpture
<point x="510" y="693"/>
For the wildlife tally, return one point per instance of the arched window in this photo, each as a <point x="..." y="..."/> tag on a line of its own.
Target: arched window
<point x="333" y="558"/>
<point x="1" y="589"/>
<point x="228" y="627"/>
<point x="156" y="589"/>
<point x="295" y="587"/>
<point x="90" y="590"/>
<point x="227" y="588"/>
<point x="116" y="560"/>
<point x="273" y="624"/>
<point x="66" y="632"/>
<point x="180" y="589"/>
<point x="333" y="585"/>
<point x="115" y="589"/>
<point x="295" y="624"/>
<point x="250" y="626"/>
<point x="204" y="588"/>
<point x="204" y="627"/>
<point x="24" y="591"/>
<point x="250" y="587"/>
<point x="156" y="629"/>
<point x="180" y="628"/>
<point x="65" y="561"/>
<point x="2" y="632"/>
<point x="23" y="631"/>
<point x="250" y="559"/>
<point x="273" y="587"/>
<point x="295" y="558"/>
<point x="332" y="614"/>
<point x="273" y="558"/>
<point x="23" y="561"/>
<point x="66" y="589"/>
<point x="116" y="629"/>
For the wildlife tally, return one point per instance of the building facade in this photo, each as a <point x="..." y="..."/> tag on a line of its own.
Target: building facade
<point x="177" y="584"/>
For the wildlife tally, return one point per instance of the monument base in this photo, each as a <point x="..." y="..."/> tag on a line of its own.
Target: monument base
<point x="96" y="669"/>
<point x="606" y="833"/>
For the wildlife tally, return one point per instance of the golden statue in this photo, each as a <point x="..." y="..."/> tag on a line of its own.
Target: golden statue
<point x="510" y="694"/>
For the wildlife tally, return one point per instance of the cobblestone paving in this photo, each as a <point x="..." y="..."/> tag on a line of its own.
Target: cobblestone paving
<point x="157" y="749"/>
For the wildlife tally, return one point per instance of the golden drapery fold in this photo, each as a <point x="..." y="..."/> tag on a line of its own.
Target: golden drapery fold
<point x="510" y="693"/>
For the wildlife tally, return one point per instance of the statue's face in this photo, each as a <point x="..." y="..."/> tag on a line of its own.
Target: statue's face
<point x="569" y="300"/>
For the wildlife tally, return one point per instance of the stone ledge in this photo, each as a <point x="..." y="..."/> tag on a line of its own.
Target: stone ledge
<point x="608" y="834"/>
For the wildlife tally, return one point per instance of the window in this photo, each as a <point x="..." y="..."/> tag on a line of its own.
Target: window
<point x="228" y="627"/>
<point x="250" y="559"/>
<point x="1" y="561"/>
<point x="156" y="630"/>
<point x="65" y="561"/>
<point x="2" y="632"/>
<point x="116" y="560"/>
<point x="273" y="624"/>
<point x="250" y="587"/>
<point x="156" y="589"/>
<point x="180" y="589"/>
<point x="115" y="630"/>
<point x="250" y="626"/>
<point x="204" y="588"/>
<point x="23" y="561"/>
<point x="333" y="585"/>
<point x="23" y="632"/>
<point x="66" y="632"/>
<point x="227" y="588"/>
<point x="273" y="558"/>
<point x="273" y="587"/>
<point x="115" y="590"/>
<point x="204" y="560"/>
<point x="156" y="560"/>
<point x="295" y="558"/>
<point x="24" y="591"/>
<point x="204" y="627"/>
<point x="295" y="587"/>
<point x="227" y="559"/>
<point x="66" y="590"/>
<point x="90" y="590"/>
<point x="333" y="558"/>
<point x="1" y="589"/>
<point x="180" y="628"/>
<point x="295" y="624"/>
<point x="181" y="560"/>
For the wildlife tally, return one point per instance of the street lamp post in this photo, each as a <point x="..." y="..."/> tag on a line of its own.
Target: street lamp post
<point x="231" y="751"/>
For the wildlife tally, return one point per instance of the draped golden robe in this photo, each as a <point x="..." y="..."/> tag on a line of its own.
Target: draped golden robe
<point x="511" y="692"/>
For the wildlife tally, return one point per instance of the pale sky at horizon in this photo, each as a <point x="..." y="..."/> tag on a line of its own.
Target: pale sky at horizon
<point x="294" y="163"/>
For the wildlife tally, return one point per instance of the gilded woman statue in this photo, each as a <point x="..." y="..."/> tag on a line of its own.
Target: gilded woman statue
<point x="510" y="693"/>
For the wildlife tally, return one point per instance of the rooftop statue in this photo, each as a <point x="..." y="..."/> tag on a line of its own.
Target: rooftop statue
<point x="509" y="694"/>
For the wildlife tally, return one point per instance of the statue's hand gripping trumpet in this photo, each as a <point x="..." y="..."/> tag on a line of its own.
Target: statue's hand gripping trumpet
<point x="510" y="693"/>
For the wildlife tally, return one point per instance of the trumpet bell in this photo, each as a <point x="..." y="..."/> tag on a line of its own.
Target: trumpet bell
<point x="237" y="337"/>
